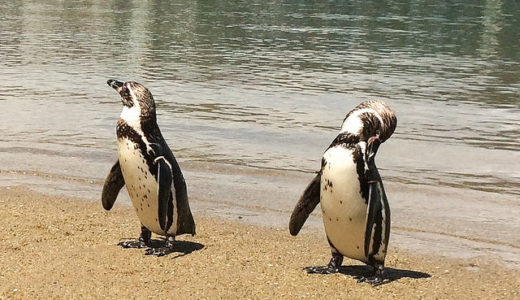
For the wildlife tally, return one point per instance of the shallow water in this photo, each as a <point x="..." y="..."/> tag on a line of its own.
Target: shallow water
<point x="254" y="92"/>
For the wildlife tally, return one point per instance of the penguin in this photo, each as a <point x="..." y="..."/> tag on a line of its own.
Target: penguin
<point x="149" y="170"/>
<point x="355" y="210"/>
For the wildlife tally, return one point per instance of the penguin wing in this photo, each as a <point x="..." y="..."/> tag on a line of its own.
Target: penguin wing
<point x="378" y="212"/>
<point x="164" y="181"/>
<point x="185" y="222"/>
<point x="113" y="184"/>
<point x="307" y="203"/>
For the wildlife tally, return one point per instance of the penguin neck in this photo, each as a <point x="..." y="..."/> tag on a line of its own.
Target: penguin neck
<point x="135" y="119"/>
<point x="132" y="116"/>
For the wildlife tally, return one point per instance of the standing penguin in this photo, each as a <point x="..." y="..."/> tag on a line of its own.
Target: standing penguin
<point x="355" y="211"/>
<point x="148" y="168"/>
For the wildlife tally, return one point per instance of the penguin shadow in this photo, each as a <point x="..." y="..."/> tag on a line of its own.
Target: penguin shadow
<point x="181" y="248"/>
<point x="360" y="272"/>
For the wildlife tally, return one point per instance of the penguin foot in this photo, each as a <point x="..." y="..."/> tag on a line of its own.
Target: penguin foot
<point x="372" y="280"/>
<point x="376" y="278"/>
<point x="158" y="251"/>
<point x="137" y="244"/>
<point x="331" y="268"/>
<point x="321" y="270"/>
<point x="164" y="250"/>
<point x="142" y="242"/>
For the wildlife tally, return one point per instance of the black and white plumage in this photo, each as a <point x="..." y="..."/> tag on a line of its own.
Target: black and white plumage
<point x="355" y="210"/>
<point x="149" y="170"/>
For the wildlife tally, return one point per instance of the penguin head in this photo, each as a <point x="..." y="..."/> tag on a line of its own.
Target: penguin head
<point x="135" y="97"/>
<point x="381" y="122"/>
<point x="368" y="119"/>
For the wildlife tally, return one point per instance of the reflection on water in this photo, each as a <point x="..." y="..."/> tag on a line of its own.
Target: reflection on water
<point x="267" y="83"/>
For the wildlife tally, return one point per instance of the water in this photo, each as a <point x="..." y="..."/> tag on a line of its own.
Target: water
<point x="250" y="94"/>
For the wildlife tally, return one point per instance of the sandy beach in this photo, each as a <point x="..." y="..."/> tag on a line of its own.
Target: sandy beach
<point x="60" y="247"/>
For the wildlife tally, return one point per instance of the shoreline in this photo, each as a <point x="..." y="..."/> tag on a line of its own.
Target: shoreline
<point x="459" y="223"/>
<point x="62" y="247"/>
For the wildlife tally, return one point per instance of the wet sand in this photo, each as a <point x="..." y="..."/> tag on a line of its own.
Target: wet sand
<point x="62" y="247"/>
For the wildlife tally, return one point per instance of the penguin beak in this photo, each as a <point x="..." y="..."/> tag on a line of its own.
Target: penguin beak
<point x="116" y="85"/>
<point x="372" y="145"/>
<point x="373" y="139"/>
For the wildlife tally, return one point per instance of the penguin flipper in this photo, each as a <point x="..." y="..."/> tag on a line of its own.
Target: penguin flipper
<point x="113" y="184"/>
<point x="164" y="180"/>
<point x="307" y="203"/>
<point x="185" y="222"/>
<point x="378" y="211"/>
<point x="374" y="206"/>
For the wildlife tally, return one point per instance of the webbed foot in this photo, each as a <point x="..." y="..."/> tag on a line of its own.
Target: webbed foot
<point x="372" y="280"/>
<point x="321" y="270"/>
<point x="137" y="244"/>
<point x="166" y="249"/>
<point x="142" y="242"/>
<point x="376" y="278"/>
<point x="331" y="268"/>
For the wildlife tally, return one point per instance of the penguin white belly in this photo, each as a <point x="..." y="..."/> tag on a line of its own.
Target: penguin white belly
<point x="140" y="183"/>
<point x="343" y="208"/>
